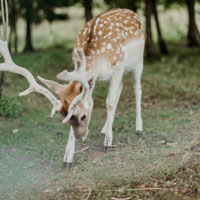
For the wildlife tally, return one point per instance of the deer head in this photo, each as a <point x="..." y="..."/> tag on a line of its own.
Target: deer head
<point x="76" y="97"/>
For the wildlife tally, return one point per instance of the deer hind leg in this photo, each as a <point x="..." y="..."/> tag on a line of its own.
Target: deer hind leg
<point x="138" y="93"/>
<point x="70" y="149"/>
<point x="111" y="104"/>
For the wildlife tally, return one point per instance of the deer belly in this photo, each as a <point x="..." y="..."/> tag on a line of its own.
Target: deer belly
<point x="105" y="73"/>
<point x="133" y="53"/>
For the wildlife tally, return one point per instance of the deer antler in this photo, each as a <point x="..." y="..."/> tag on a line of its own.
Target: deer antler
<point x="10" y="66"/>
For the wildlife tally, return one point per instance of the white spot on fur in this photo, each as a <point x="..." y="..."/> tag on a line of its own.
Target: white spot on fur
<point x="125" y="21"/>
<point x="109" y="46"/>
<point x="100" y="33"/>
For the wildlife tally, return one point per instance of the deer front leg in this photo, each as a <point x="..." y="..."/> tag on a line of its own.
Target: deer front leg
<point x="103" y="130"/>
<point x="111" y="105"/>
<point x="70" y="149"/>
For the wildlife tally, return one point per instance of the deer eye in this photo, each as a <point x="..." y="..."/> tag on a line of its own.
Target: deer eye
<point x="83" y="117"/>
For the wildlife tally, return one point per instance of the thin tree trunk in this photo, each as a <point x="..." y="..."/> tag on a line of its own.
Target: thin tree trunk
<point x="162" y="44"/>
<point x="193" y="32"/>
<point x="88" y="9"/>
<point x="1" y="83"/>
<point x="29" y="46"/>
<point x="13" y="29"/>
<point x="15" y="40"/>
<point x="149" y="40"/>
<point x="10" y="40"/>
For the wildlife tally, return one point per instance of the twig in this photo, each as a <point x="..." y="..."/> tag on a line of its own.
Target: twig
<point x="89" y="193"/>
<point x="147" y="189"/>
<point x="138" y="189"/>
<point x="156" y="180"/>
<point x="127" y="198"/>
<point x="84" y="149"/>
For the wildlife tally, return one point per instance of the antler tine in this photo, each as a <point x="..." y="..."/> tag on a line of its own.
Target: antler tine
<point x="74" y="76"/>
<point x="10" y="66"/>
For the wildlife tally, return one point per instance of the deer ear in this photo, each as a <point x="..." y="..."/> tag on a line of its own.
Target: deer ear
<point x="91" y="83"/>
<point x="52" y="85"/>
<point x="80" y="62"/>
<point x="80" y="53"/>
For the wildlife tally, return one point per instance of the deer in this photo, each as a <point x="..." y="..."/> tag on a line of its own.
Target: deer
<point x="107" y="46"/>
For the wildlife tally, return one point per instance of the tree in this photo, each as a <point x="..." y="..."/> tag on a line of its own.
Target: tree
<point x="34" y="11"/>
<point x="161" y="42"/>
<point x="193" y="35"/>
<point x="88" y="9"/>
<point x="13" y="10"/>
<point x="149" y="40"/>
<point x="29" y="20"/>
<point x="130" y="4"/>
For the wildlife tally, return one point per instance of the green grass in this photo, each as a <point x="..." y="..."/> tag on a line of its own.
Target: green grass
<point x="31" y="159"/>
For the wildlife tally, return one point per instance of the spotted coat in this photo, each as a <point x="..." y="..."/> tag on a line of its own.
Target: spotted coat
<point x="106" y="34"/>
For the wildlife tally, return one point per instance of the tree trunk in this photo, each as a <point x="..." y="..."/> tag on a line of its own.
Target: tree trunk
<point x="88" y="9"/>
<point x="13" y="42"/>
<point x="29" y="46"/>
<point x="149" y="40"/>
<point x="1" y="83"/>
<point x="162" y="44"/>
<point x="193" y="35"/>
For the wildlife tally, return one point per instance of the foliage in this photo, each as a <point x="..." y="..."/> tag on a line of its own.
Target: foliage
<point x="9" y="106"/>
<point x="131" y="4"/>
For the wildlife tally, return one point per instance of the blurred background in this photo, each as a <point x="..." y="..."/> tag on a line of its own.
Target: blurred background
<point x="41" y="24"/>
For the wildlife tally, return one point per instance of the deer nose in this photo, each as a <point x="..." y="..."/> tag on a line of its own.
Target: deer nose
<point x="80" y="138"/>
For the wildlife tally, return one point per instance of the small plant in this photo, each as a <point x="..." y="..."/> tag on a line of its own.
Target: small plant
<point x="9" y="106"/>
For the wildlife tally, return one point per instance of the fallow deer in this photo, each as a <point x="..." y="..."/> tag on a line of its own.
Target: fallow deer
<point x="108" y="45"/>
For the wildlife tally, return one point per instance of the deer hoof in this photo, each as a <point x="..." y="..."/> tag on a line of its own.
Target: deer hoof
<point x="67" y="164"/>
<point x="138" y="132"/>
<point x="109" y="148"/>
